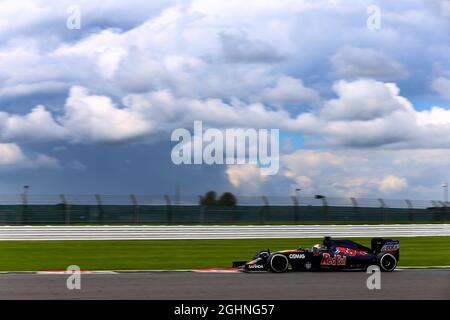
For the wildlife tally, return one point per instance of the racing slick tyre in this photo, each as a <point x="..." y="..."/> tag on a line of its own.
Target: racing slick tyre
<point x="278" y="262"/>
<point x="386" y="261"/>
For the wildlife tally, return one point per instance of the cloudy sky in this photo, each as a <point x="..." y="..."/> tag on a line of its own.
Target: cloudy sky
<point x="361" y="111"/>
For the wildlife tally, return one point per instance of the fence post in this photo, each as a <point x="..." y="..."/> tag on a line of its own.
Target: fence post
<point x="435" y="207"/>
<point x="355" y="207"/>
<point x="66" y="208"/>
<point x="99" y="206"/>
<point x="135" y="203"/>
<point x="296" y="207"/>
<point x="382" y="203"/>
<point x="383" y="206"/>
<point x="410" y="210"/>
<point x="265" y="211"/>
<point x="324" y="205"/>
<point x="235" y="212"/>
<point x="440" y="216"/>
<point x="24" y="207"/>
<point x="203" y="209"/>
<point x="446" y="211"/>
<point x="168" y="209"/>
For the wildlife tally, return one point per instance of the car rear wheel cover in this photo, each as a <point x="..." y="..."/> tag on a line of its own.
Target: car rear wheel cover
<point x="388" y="262"/>
<point x="279" y="263"/>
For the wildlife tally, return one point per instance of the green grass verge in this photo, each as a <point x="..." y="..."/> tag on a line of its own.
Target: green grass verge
<point x="182" y="254"/>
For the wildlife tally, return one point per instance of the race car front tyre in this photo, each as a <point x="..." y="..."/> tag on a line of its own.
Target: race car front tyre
<point x="386" y="261"/>
<point x="278" y="262"/>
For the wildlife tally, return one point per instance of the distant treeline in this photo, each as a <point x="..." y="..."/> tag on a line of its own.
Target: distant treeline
<point x="227" y="199"/>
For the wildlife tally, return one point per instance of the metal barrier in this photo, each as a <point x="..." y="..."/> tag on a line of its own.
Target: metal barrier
<point x="146" y="209"/>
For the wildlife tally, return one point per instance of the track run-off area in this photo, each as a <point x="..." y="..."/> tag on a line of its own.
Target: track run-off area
<point x="401" y="284"/>
<point x="218" y="232"/>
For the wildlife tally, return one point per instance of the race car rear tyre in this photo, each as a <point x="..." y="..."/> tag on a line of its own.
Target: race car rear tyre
<point x="386" y="261"/>
<point x="278" y="262"/>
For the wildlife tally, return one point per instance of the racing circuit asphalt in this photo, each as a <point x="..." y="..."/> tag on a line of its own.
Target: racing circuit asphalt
<point x="400" y="284"/>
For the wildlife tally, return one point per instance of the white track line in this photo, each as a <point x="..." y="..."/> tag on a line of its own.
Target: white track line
<point x="217" y="232"/>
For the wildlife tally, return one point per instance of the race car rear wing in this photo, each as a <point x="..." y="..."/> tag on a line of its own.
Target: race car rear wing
<point x="386" y="245"/>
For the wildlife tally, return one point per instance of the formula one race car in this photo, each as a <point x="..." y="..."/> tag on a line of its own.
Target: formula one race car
<point x="332" y="255"/>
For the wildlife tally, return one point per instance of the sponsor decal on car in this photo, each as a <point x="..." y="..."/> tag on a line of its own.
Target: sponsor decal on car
<point x="255" y="266"/>
<point x="337" y="260"/>
<point x="350" y="252"/>
<point x="390" y="246"/>
<point x="297" y="256"/>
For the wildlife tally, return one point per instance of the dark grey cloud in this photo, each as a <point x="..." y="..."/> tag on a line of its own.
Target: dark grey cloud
<point x="239" y="48"/>
<point x="354" y="62"/>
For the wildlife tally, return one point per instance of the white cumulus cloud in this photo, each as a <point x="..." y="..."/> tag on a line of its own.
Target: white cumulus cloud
<point x="11" y="155"/>
<point x="96" y="119"/>
<point x="392" y="183"/>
